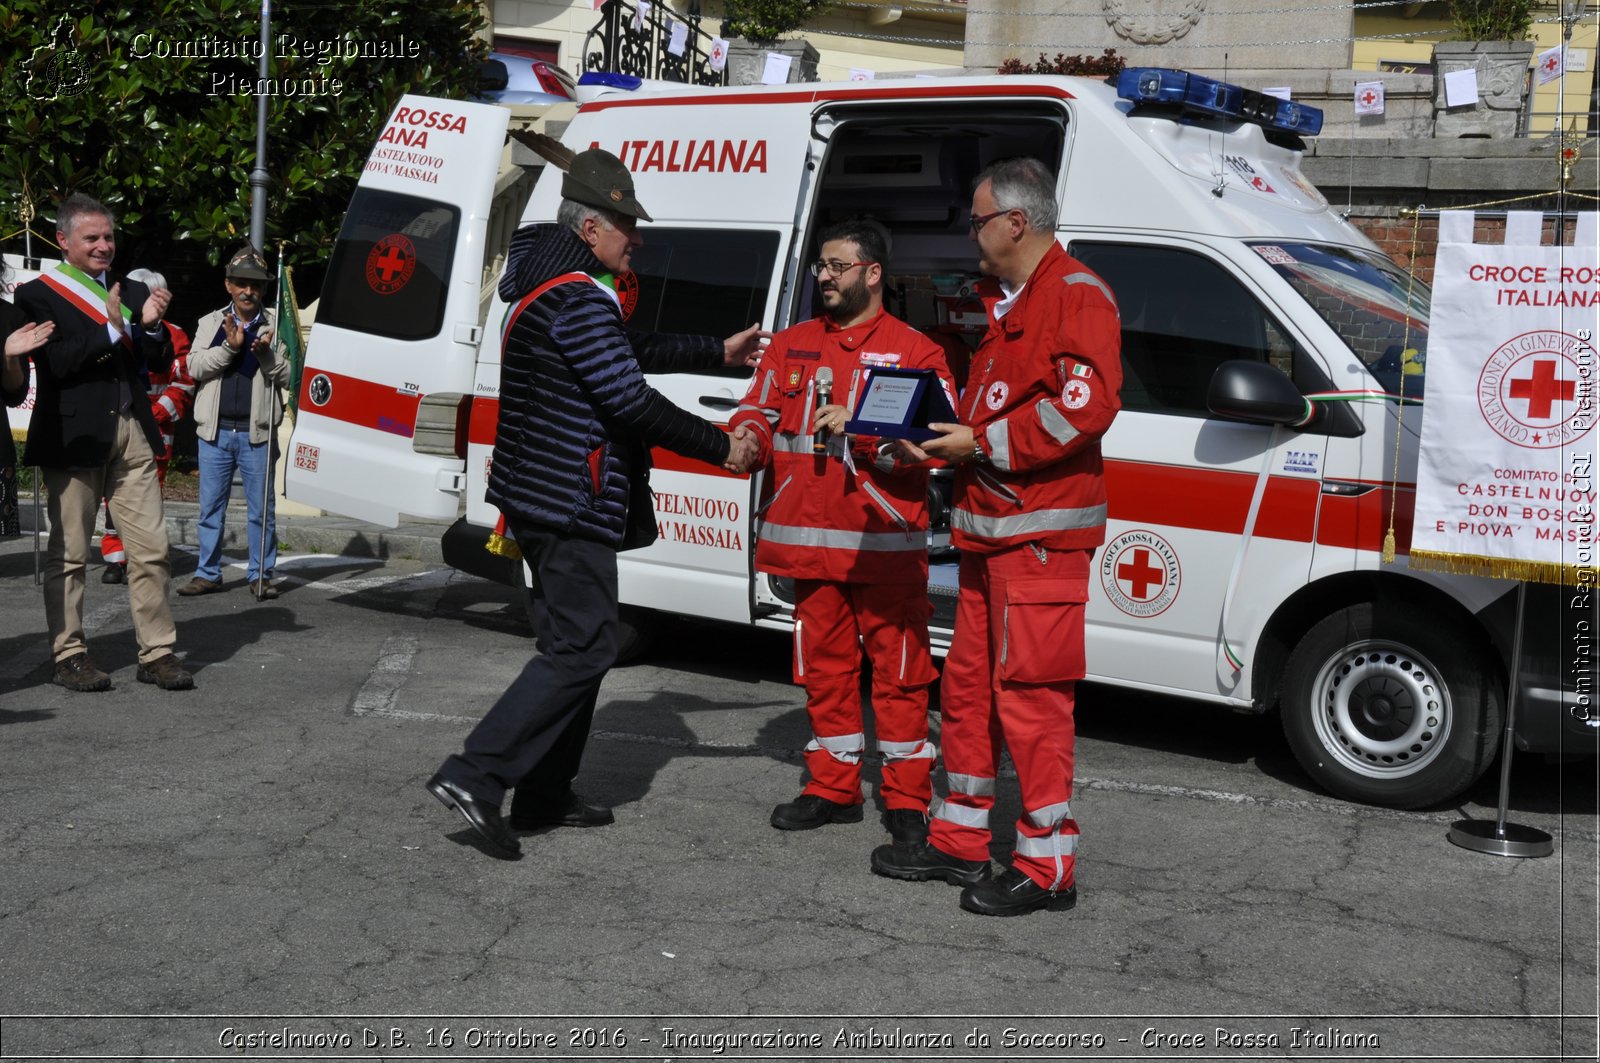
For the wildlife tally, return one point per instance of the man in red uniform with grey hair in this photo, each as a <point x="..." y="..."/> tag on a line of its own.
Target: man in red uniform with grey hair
<point x="1030" y="508"/>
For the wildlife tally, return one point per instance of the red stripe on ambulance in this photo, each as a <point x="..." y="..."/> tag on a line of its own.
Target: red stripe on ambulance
<point x="362" y="403"/>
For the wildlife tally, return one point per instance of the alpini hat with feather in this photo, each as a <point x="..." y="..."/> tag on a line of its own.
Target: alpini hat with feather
<point x="597" y="178"/>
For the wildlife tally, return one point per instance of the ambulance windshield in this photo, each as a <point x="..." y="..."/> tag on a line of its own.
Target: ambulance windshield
<point x="1376" y="308"/>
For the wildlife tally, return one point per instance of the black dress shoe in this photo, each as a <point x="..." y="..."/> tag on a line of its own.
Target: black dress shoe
<point x="922" y="861"/>
<point x="573" y="811"/>
<point x="480" y="816"/>
<point x="1014" y="893"/>
<point x="810" y="811"/>
<point x="116" y="572"/>
<point x="907" y="826"/>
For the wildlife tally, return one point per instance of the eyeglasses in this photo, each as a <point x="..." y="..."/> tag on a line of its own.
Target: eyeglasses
<point x="981" y="220"/>
<point x="834" y="267"/>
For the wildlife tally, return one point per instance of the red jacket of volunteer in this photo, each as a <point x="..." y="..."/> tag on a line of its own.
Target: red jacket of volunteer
<point x="1043" y="390"/>
<point x="818" y="520"/>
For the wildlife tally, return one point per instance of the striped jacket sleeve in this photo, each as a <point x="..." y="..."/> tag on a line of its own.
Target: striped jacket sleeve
<point x="596" y="348"/>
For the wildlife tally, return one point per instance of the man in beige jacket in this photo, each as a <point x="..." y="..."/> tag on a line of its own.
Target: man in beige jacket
<point x="237" y="407"/>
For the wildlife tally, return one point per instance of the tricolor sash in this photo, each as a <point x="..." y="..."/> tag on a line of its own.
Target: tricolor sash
<point x="87" y="294"/>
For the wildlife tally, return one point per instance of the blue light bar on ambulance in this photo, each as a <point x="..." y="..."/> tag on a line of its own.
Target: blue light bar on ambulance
<point x="610" y="80"/>
<point x="1203" y="95"/>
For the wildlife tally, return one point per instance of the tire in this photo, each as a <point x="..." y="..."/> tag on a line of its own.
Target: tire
<point x="636" y="628"/>
<point x="1388" y="705"/>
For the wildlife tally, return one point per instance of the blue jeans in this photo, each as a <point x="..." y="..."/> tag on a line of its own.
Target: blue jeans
<point x="233" y="450"/>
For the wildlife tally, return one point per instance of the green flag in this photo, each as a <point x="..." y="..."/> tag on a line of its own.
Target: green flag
<point x="289" y="331"/>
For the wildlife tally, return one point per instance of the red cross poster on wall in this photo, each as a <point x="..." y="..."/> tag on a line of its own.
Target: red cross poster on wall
<point x="1506" y="469"/>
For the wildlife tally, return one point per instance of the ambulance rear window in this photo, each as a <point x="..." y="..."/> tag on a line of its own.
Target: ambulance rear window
<point x="389" y="273"/>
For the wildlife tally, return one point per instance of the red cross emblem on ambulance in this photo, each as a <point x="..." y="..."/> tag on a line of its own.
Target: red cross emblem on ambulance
<point x="390" y="264"/>
<point x="1140" y="574"/>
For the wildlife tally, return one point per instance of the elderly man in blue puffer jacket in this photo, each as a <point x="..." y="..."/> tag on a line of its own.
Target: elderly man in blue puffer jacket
<point x="571" y="475"/>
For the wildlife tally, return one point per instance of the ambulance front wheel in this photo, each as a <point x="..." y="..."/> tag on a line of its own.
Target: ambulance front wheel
<point x="636" y="627"/>
<point x="1392" y="705"/>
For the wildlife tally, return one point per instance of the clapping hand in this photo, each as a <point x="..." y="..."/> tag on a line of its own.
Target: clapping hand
<point x="28" y="338"/>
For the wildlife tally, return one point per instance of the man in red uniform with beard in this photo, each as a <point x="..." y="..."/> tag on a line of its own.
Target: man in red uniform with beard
<point x="1030" y="508"/>
<point x="849" y="526"/>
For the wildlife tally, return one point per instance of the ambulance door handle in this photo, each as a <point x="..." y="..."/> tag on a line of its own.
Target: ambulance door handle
<point x="719" y="402"/>
<point x="469" y="334"/>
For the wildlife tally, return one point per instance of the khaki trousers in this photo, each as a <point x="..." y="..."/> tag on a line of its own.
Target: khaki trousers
<point x="133" y="494"/>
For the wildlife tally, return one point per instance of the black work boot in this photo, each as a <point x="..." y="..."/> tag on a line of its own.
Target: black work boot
<point x="923" y="861"/>
<point x="1014" y="893"/>
<point x="808" y="812"/>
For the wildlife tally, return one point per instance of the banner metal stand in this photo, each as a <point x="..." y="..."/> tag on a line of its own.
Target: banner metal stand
<point x="1501" y="838"/>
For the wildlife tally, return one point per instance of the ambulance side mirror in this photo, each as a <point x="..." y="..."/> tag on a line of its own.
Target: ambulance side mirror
<point x="1255" y="392"/>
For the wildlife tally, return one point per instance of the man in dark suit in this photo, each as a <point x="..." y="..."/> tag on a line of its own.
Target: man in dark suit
<point x="93" y="436"/>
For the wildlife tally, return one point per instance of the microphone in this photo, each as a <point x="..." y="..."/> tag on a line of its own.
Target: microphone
<point x="819" y="441"/>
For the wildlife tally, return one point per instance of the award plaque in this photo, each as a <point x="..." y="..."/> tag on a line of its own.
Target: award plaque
<point x="900" y="404"/>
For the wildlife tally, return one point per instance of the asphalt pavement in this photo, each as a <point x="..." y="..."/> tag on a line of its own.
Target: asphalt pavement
<point x="253" y="870"/>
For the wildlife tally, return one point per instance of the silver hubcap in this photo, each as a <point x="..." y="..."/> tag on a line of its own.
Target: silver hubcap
<point x="1381" y="709"/>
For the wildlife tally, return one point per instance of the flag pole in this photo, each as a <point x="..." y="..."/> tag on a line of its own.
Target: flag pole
<point x="258" y="174"/>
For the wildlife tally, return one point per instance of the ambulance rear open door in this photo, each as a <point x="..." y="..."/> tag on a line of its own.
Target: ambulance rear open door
<point x="396" y="336"/>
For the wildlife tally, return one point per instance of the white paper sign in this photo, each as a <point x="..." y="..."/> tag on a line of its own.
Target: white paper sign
<point x="860" y="74"/>
<point x="640" y="13"/>
<point x="680" y="38"/>
<point x="1369" y="97"/>
<point x="776" y="70"/>
<point x="1283" y="92"/>
<point x="719" y="54"/>
<point x="1551" y="65"/>
<point x="1505" y="483"/>
<point x="1461" y="88"/>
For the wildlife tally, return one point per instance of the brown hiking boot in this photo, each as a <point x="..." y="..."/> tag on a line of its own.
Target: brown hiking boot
<point x="79" y="673"/>
<point x="200" y="586"/>
<point x="167" y="673"/>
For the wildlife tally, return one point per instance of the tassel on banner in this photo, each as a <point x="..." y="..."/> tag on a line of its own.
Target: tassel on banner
<point x="1388" y="546"/>
<point x="1502" y="568"/>
<point x="502" y="545"/>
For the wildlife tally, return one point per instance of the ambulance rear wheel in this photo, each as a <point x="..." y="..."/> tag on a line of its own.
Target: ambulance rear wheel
<point x="636" y="628"/>
<point x="1390" y="706"/>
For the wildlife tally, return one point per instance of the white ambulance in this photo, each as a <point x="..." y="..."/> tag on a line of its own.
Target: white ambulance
<point x="1242" y="565"/>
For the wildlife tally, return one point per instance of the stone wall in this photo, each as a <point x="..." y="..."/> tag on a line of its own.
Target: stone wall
<point x="1374" y="182"/>
<point x="1208" y="36"/>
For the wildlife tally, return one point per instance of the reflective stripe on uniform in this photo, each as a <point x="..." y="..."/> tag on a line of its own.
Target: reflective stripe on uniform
<point x="971" y="785"/>
<point x="791" y="443"/>
<point x="997" y="441"/>
<point x="920" y="749"/>
<point x="1048" y="847"/>
<point x="838" y="539"/>
<point x="1059" y="427"/>
<point x="1090" y="278"/>
<point x="768" y="417"/>
<point x="884" y="504"/>
<point x="1050" y="815"/>
<point x="844" y="748"/>
<point x="960" y="815"/>
<point x="1038" y="522"/>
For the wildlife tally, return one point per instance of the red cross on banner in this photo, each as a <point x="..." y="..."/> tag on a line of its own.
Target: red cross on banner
<point x="1542" y="390"/>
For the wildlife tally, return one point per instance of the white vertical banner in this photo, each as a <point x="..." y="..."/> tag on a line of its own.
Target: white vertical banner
<point x="1505" y="476"/>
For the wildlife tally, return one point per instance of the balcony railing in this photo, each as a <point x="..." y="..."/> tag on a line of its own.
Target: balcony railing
<point x="614" y="46"/>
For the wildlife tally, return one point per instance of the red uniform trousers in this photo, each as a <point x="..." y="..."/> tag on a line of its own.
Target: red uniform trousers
<point x="1010" y="676"/>
<point x="892" y="622"/>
